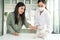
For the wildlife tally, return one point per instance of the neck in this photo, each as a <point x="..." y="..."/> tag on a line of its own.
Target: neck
<point x="41" y="12"/>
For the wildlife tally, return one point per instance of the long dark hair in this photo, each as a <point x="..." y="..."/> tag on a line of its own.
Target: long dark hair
<point x="21" y="15"/>
<point x="44" y="1"/>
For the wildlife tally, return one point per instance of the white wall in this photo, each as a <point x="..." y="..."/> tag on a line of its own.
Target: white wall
<point x="53" y="8"/>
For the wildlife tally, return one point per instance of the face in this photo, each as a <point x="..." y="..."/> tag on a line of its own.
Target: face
<point x="41" y="6"/>
<point x="21" y="9"/>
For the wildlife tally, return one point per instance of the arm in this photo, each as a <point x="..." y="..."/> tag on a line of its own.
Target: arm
<point x="29" y="26"/>
<point x="36" y="23"/>
<point x="49" y="24"/>
<point x="9" y="27"/>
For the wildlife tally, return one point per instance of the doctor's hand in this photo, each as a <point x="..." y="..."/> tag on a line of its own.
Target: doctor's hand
<point x="16" y="34"/>
<point x="47" y="31"/>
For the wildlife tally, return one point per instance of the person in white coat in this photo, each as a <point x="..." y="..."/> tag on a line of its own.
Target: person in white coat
<point x="42" y="20"/>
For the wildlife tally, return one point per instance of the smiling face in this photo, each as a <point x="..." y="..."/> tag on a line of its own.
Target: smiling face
<point x="21" y="9"/>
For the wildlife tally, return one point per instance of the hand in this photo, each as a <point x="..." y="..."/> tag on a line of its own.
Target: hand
<point x="16" y="34"/>
<point x="32" y="27"/>
<point x="42" y="35"/>
<point x="47" y="31"/>
<point x="35" y="28"/>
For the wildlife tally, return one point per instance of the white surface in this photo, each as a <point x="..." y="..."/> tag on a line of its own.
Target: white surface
<point x="28" y="36"/>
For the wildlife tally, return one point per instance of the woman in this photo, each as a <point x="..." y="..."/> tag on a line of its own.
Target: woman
<point x="16" y="19"/>
<point x="42" y="19"/>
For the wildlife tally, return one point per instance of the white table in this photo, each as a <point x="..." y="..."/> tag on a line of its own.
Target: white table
<point x="28" y="36"/>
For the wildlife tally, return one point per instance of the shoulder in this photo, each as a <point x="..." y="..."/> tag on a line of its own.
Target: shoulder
<point x="46" y="12"/>
<point x="36" y="11"/>
<point x="11" y="14"/>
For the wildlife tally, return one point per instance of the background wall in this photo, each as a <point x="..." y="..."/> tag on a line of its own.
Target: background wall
<point x="1" y="12"/>
<point x="59" y="13"/>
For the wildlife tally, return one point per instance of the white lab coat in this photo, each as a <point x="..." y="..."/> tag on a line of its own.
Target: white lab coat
<point x="43" y="20"/>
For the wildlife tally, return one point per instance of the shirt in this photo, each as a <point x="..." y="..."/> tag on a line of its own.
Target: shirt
<point x="11" y="26"/>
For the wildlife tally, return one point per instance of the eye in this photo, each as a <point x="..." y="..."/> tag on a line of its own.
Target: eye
<point x="41" y="5"/>
<point x="21" y="8"/>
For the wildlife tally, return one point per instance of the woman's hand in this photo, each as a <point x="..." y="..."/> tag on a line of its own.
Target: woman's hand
<point x="33" y="27"/>
<point x="16" y="34"/>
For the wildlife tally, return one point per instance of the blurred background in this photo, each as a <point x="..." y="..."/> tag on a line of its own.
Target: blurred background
<point x="31" y="5"/>
<point x="1" y="17"/>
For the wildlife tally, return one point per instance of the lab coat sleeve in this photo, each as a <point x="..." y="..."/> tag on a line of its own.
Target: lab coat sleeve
<point x="36" y="23"/>
<point x="9" y="27"/>
<point x="49" y="23"/>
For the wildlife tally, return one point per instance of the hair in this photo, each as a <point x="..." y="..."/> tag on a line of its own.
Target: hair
<point x="21" y="15"/>
<point x="43" y="1"/>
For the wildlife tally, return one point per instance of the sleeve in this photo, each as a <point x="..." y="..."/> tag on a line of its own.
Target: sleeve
<point x="49" y="23"/>
<point x="26" y="24"/>
<point x="36" y="23"/>
<point x="9" y="27"/>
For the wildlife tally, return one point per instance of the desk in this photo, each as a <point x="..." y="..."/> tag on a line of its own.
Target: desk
<point x="28" y="36"/>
